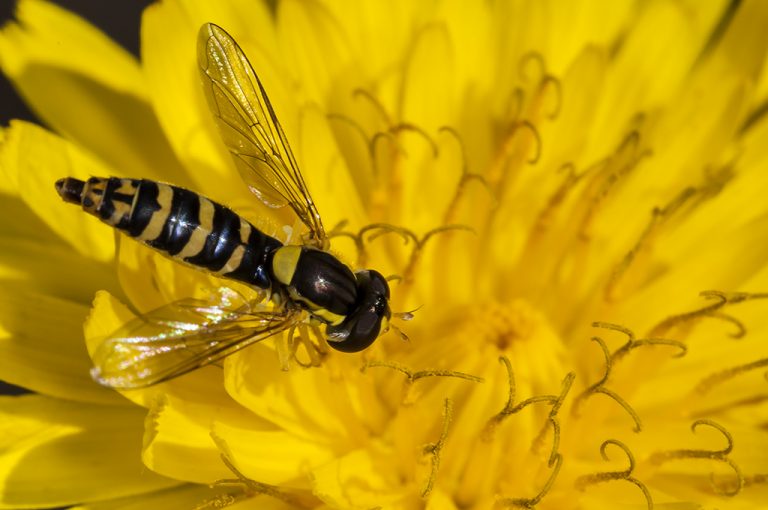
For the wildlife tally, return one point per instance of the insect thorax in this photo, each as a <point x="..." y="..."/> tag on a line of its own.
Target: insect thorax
<point x="317" y="280"/>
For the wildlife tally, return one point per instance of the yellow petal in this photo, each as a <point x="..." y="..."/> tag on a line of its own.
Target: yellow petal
<point x="656" y="55"/>
<point x="105" y="107"/>
<point x="272" y="456"/>
<point x="253" y="378"/>
<point x="691" y="479"/>
<point x="29" y="261"/>
<point x="262" y="503"/>
<point x="298" y="400"/>
<point x="357" y="481"/>
<point x="168" y="40"/>
<point x="41" y="347"/>
<point x="176" y="498"/>
<point x="327" y="178"/>
<point x="584" y="81"/>
<point x="378" y="31"/>
<point x="57" y="453"/>
<point x="427" y="101"/>
<point x="742" y="49"/>
<point x="25" y="224"/>
<point x="314" y="43"/>
<point x="179" y="447"/>
<point x="572" y="26"/>
<point x="37" y="159"/>
<point x="51" y="35"/>
<point x="428" y="90"/>
<point x="252" y="22"/>
<point x="439" y="500"/>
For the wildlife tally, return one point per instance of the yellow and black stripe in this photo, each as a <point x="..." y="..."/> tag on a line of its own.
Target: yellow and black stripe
<point x="179" y="223"/>
<point x="192" y="229"/>
<point x="317" y="280"/>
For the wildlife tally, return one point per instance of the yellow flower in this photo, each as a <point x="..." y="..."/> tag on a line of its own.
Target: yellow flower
<point x="577" y="199"/>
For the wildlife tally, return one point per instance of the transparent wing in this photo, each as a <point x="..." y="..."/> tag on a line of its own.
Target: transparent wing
<point x="250" y="130"/>
<point x="180" y="337"/>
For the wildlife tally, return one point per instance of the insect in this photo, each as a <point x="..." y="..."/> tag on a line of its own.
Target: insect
<point x="303" y="280"/>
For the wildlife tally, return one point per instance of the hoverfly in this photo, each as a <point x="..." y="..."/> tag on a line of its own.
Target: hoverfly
<point x="302" y="279"/>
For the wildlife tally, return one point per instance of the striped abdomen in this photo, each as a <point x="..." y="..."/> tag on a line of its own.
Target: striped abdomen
<point x="179" y="223"/>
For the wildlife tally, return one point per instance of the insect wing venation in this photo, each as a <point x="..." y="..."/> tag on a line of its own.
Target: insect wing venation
<point x="188" y="334"/>
<point x="250" y="129"/>
<point x="180" y="337"/>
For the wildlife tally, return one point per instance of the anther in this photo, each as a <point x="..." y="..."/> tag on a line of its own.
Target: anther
<point x="621" y="163"/>
<point x="599" y="387"/>
<point x="553" y="420"/>
<point x="583" y="481"/>
<point x="516" y="99"/>
<point x="250" y="487"/>
<point x="659" y="216"/>
<point x="383" y="135"/>
<point x="720" y="377"/>
<point x="351" y="122"/>
<point x="722" y="299"/>
<point x="716" y="455"/>
<point x="434" y="449"/>
<point x="376" y="104"/>
<point x="741" y="329"/>
<point x="497" y="175"/>
<point x="217" y="502"/>
<point x="359" y="238"/>
<point x="380" y="229"/>
<point x="532" y="57"/>
<point x="530" y="503"/>
<point x="466" y="177"/>
<point x="755" y="479"/>
<point x="510" y="407"/>
<point x="555" y="84"/>
<point x="404" y="126"/>
<point x="419" y="246"/>
<point x="414" y="376"/>
<point x="558" y="197"/>
<point x="633" y="343"/>
<point x="537" y="137"/>
<point x="376" y="230"/>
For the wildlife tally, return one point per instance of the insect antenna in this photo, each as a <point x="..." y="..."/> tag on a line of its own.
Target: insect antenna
<point x="403" y="336"/>
<point x="406" y="316"/>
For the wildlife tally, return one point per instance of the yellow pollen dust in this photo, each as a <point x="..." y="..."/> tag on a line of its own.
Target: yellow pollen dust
<point x="520" y="332"/>
<point x="505" y="324"/>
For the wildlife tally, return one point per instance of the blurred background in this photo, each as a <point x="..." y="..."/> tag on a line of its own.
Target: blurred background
<point x="118" y="18"/>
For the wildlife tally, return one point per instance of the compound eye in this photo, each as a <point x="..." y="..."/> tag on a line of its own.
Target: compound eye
<point x="355" y="334"/>
<point x="380" y="283"/>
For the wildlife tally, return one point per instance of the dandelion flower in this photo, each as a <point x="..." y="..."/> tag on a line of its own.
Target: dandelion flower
<point x="572" y="195"/>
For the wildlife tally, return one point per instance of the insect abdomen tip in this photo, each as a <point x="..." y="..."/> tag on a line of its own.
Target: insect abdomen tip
<point x="70" y="189"/>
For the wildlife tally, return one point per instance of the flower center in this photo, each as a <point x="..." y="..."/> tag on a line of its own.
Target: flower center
<point x="507" y="418"/>
<point x="523" y="334"/>
<point x="502" y="325"/>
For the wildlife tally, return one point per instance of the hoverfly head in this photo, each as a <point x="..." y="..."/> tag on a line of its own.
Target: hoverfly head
<point x="369" y="318"/>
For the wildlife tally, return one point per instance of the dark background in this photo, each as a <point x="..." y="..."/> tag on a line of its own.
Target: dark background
<point x="118" y="18"/>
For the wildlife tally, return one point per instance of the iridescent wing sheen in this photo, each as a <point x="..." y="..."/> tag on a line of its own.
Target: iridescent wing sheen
<point x="180" y="337"/>
<point x="250" y="129"/>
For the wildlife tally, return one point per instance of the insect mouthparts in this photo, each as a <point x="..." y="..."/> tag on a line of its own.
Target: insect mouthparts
<point x="70" y="189"/>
